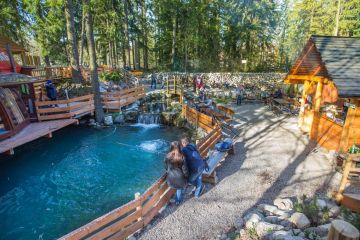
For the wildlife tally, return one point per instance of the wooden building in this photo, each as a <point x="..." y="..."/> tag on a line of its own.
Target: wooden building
<point x="329" y="70"/>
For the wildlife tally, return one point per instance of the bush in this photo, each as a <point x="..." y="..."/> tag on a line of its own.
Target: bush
<point x="309" y="207"/>
<point x="115" y="76"/>
<point x="353" y="218"/>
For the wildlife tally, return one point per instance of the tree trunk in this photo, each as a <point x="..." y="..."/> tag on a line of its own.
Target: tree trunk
<point x="72" y="42"/>
<point x="126" y="30"/>
<point x="82" y="39"/>
<point x="173" y="43"/>
<point x="145" y="36"/>
<point x="133" y="53"/>
<point x="99" y="112"/>
<point x="336" y="30"/>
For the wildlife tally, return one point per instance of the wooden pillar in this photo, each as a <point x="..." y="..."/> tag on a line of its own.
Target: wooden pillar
<point x="316" y="111"/>
<point x="347" y="132"/>
<point x="301" y="121"/>
<point x="137" y="197"/>
<point x="340" y="229"/>
<point x="11" y="58"/>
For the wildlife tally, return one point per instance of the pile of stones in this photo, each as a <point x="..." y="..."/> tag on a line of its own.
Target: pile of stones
<point x="280" y="220"/>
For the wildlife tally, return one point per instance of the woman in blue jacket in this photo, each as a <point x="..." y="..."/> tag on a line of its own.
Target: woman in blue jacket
<point x="195" y="164"/>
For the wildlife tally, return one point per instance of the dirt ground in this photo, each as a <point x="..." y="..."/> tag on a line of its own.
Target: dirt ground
<point x="273" y="159"/>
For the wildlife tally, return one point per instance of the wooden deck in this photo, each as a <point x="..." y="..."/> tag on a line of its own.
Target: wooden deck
<point x="32" y="132"/>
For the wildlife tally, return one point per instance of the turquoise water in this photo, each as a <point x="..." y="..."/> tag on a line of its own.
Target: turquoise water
<point x="53" y="186"/>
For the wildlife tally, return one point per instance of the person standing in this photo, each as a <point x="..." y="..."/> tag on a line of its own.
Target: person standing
<point x="177" y="172"/>
<point x="195" y="164"/>
<point x="153" y="81"/>
<point x="239" y="94"/>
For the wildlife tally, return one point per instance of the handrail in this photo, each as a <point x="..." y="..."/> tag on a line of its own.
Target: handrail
<point x="63" y="109"/>
<point x="129" y="218"/>
<point x="113" y="101"/>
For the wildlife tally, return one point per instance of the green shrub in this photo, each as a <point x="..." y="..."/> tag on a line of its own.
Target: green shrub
<point x="310" y="208"/>
<point x="353" y="218"/>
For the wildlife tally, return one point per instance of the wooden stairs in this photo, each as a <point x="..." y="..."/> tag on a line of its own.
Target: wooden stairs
<point x="351" y="175"/>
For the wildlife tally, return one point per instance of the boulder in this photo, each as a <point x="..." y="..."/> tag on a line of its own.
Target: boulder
<point x="272" y="219"/>
<point x="131" y="116"/>
<point x="321" y="203"/>
<point x="300" y="220"/>
<point x="92" y="122"/>
<point x="108" y="120"/>
<point x="264" y="228"/>
<point x="285" y="216"/>
<point x="284" y="203"/>
<point x="252" y="219"/>
<point x="286" y="223"/>
<point x="284" y="235"/>
<point x="334" y="211"/>
<point x="119" y="119"/>
<point x="270" y="209"/>
<point x="239" y="223"/>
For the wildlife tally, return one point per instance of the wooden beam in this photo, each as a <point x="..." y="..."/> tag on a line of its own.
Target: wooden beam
<point x="318" y="95"/>
<point x="350" y="118"/>
<point x="301" y="78"/>
<point x="303" y="58"/>
<point x="11" y="58"/>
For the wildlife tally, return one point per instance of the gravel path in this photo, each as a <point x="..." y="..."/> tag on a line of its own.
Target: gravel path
<point x="273" y="159"/>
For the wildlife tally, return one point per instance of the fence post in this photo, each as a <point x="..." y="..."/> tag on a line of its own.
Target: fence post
<point x="137" y="197"/>
<point x="167" y="85"/>
<point x="175" y="84"/>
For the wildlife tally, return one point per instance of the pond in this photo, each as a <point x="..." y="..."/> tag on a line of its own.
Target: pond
<point x="53" y="186"/>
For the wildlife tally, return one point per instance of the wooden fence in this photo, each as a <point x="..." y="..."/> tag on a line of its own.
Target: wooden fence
<point x="62" y="109"/>
<point x="199" y="119"/>
<point x="113" y="101"/>
<point x="129" y="218"/>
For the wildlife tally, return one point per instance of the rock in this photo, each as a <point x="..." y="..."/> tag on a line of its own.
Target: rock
<point x="92" y="122"/>
<point x="272" y="219"/>
<point x="284" y="235"/>
<point x="286" y="223"/>
<point x="321" y="203"/>
<point x="252" y="219"/>
<point x="82" y="121"/>
<point x="242" y="232"/>
<point x="223" y="236"/>
<point x="264" y="228"/>
<point x="119" y="119"/>
<point x="239" y="223"/>
<point x="108" y="120"/>
<point x="325" y="226"/>
<point x="334" y="211"/>
<point x="300" y="220"/>
<point x="270" y="209"/>
<point x="284" y="203"/>
<point x="132" y="238"/>
<point x="285" y="216"/>
<point x="131" y="116"/>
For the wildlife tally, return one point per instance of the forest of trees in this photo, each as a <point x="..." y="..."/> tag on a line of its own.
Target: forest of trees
<point x="177" y="35"/>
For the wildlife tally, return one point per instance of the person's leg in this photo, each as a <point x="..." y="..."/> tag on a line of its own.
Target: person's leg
<point x="199" y="186"/>
<point x="240" y="99"/>
<point x="178" y="196"/>
<point x="237" y="99"/>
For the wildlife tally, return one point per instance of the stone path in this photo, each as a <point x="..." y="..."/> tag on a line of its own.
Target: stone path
<point x="273" y="159"/>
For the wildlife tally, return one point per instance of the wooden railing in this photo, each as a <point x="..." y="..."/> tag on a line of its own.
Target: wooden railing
<point x="129" y="218"/>
<point x="63" y="109"/>
<point x="57" y="73"/>
<point x="199" y="119"/>
<point x="113" y="101"/>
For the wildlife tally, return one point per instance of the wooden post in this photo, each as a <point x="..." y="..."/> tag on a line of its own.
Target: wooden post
<point x="345" y="134"/>
<point x="175" y="84"/>
<point x="167" y="85"/>
<point x="344" y="179"/>
<point x="316" y="111"/>
<point x="137" y="197"/>
<point x="342" y="230"/>
<point x="302" y="108"/>
<point x="11" y="58"/>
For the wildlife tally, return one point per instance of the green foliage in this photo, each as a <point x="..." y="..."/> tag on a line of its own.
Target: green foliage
<point x="309" y="207"/>
<point x="353" y="218"/>
<point x="114" y="76"/>
<point x="311" y="235"/>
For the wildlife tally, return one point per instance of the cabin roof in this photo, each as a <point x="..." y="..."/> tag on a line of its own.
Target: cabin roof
<point x="335" y="58"/>
<point x="7" y="79"/>
<point x="15" y="48"/>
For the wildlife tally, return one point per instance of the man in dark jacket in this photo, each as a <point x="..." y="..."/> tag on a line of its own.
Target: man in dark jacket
<point x="195" y="164"/>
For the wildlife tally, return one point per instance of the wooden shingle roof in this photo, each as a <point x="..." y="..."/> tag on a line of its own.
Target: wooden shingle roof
<point x="15" y="48"/>
<point x="334" y="58"/>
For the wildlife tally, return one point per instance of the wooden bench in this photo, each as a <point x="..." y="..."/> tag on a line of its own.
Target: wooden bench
<point x="204" y="146"/>
<point x="351" y="175"/>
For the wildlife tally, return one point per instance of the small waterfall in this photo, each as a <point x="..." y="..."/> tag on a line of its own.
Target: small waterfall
<point x="149" y="118"/>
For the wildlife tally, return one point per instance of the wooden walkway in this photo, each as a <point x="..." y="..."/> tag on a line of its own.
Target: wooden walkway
<point x="32" y="132"/>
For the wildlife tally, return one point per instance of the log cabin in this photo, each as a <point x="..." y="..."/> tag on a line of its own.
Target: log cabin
<point x="328" y="69"/>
